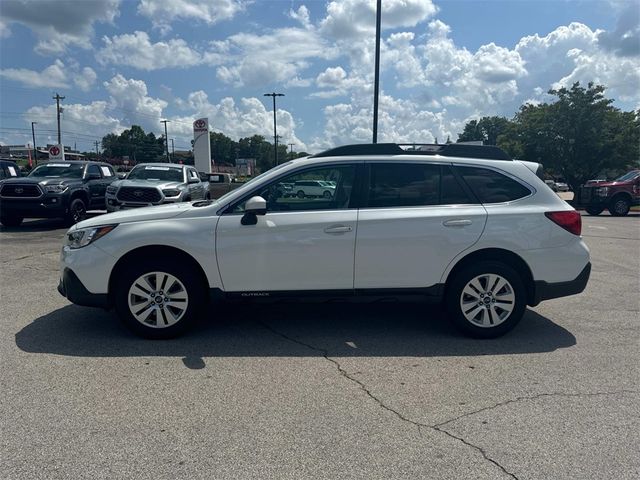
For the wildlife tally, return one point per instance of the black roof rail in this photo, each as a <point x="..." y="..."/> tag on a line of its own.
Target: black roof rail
<point x="447" y="150"/>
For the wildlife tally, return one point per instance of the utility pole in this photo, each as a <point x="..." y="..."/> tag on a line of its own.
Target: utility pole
<point x="35" y="149"/>
<point x="57" y="98"/>
<point x="166" y="138"/>
<point x="291" y="150"/>
<point x="97" y="143"/>
<point x="173" y="150"/>
<point x="275" y="131"/>
<point x="376" y="88"/>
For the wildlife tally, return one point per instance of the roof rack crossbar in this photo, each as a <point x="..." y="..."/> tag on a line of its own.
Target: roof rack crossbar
<point x="447" y="150"/>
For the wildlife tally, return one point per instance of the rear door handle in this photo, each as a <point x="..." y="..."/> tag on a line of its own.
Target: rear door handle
<point x="457" y="223"/>
<point x="338" y="229"/>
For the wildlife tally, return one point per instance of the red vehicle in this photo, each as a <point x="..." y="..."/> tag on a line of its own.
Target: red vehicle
<point x="617" y="196"/>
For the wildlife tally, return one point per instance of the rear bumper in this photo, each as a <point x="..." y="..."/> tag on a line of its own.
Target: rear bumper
<point x="547" y="291"/>
<point x="72" y="288"/>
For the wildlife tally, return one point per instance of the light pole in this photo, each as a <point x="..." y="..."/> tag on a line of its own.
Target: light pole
<point x="291" y="151"/>
<point x="173" y="151"/>
<point x="35" y="149"/>
<point x="376" y="87"/>
<point x="275" y="131"/>
<point x="166" y="138"/>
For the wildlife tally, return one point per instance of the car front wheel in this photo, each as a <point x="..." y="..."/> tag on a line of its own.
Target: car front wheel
<point x="159" y="299"/>
<point x="594" y="210"/>
<point x="10" y="220"/>
<point x="486" y="300"/>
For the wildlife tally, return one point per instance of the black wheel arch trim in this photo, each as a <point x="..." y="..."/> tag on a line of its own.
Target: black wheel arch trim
<point x="547" y="291"/>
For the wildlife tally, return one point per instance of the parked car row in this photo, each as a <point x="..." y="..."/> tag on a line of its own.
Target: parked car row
<point x="68" y="189"/>
<point x="618" y="196"/>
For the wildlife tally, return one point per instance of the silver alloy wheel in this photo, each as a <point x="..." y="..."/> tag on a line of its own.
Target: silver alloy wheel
<point x="487" y="300"/>
<point x="620" y="207"/>
<point x="158" y="299"/>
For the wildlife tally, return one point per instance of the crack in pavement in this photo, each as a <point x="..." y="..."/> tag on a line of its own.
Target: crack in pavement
<point x="436" y="427"/>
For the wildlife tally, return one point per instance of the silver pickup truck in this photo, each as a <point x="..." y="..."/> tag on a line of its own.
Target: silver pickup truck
<point x="154" y="184"/>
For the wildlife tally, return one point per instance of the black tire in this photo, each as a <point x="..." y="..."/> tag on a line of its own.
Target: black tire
<point x="594" y="210"/>
<point x="300" y="194"/>
<point x="11" y="220"/>
<point x="619" y="206"/>
<point x="77" y="212"/>
<point x="326" y="194"/>
<point x="458" y="283"/>
<point x="187" y="275"/>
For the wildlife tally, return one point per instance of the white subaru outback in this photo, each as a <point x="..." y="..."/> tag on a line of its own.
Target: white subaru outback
<point x="463" y="224"/>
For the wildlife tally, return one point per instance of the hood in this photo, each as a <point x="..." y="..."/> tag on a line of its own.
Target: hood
<point x="145" y="183"/>
<point x="158" y="212"/>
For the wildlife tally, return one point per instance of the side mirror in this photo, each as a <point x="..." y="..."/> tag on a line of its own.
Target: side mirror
<point x="255" y="206"/>
<point x="194" y="180"/>
<point x="122" y="176"/>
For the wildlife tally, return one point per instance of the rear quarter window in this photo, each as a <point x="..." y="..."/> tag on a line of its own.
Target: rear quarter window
<point x="491" y="186"/>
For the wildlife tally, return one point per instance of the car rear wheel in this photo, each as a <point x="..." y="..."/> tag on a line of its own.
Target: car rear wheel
<point x="300" y="194"/>
<point x="11" y="220"/>
<point x="486" y="300"/>
<point x="619" y="206"/>
<point x="594" y="210"/>
<point x="326" y="194"/>
<point x="159" y="299"/>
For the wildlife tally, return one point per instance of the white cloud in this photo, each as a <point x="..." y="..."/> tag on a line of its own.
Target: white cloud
<point x="301" y="15"/>
<point x="60" y="23"/>
<point x="85" y="79"/>
<point x="163" y="12"/>
<point x="278" y="56"/>
<point x="349" y="19"/>
<point x="240" y="119"/>
<point x="136" y="50"/>
<point x="54" y="76"/>
<point x="130" y="97"/>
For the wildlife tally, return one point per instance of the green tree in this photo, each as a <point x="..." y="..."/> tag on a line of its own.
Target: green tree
<point x="487" y="129"/>
<point x="579" y="135"/>
<point x="135" y="144"/>
<point x="223" y="149"/>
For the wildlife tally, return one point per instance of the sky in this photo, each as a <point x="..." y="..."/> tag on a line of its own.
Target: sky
<point x="443" y="63"/>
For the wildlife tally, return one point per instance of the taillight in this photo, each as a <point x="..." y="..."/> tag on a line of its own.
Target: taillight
<point x="570" y="220"/>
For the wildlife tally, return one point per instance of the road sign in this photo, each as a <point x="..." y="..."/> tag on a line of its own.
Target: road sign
<point x="56" y="152"/>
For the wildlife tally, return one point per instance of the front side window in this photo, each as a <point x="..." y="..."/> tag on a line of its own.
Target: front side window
<point x="326" y="188"/>
<point x="492" y="187"/>
<point x="93" y="170"/>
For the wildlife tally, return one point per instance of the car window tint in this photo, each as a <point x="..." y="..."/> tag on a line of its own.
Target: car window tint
<point x="304" y="191"/>
<point x="451" y="192"/>
<point x="492" y="187"/>
<point x="404" y="185"/>
<point x="93" y="169"/>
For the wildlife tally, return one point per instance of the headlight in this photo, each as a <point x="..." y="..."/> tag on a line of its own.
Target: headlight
<point x="602" y="191"/>
<point x="112" y="190"/>
<point x="171" y="192"/>
<point x="55" y="188"/>
<point x="84" y="236"/>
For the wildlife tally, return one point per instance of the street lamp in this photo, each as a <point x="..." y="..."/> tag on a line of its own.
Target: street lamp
<point x="376" y="87"/>
<point x="166" y="138"/>
<point x="35" y="149"/>
<point x="275" y="131"/>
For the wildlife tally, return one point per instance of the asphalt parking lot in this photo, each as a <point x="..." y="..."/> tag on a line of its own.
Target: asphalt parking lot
<point x="384" y="390"/>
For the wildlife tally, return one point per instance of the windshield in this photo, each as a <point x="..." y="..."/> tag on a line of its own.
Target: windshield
<point x="149" y="172"/>
<point x="68" y="170"/>
<point x="248" y="185"/>
<point x="628" y="176"/>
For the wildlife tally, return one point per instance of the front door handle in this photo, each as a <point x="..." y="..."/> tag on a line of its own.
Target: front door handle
<point x="338" y="229"/>
<point x="457" y="223"/>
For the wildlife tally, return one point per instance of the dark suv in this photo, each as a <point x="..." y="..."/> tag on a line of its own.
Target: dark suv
<point x="58" y="189"/>
<point x="617" y="196"/>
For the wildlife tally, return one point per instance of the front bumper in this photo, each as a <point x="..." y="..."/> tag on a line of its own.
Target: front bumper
<point x="547" y="291"/>
<point x="114" y="205"/>
<point x="72" y="288"/>
<point x="47" y="206"/>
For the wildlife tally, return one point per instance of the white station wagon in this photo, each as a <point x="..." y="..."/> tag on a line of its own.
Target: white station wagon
<point x="462" y="224"/>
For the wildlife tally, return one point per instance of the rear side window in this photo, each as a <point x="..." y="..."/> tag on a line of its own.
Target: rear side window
<point x="413" y="185"/>
<point x="492" y="187"/>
